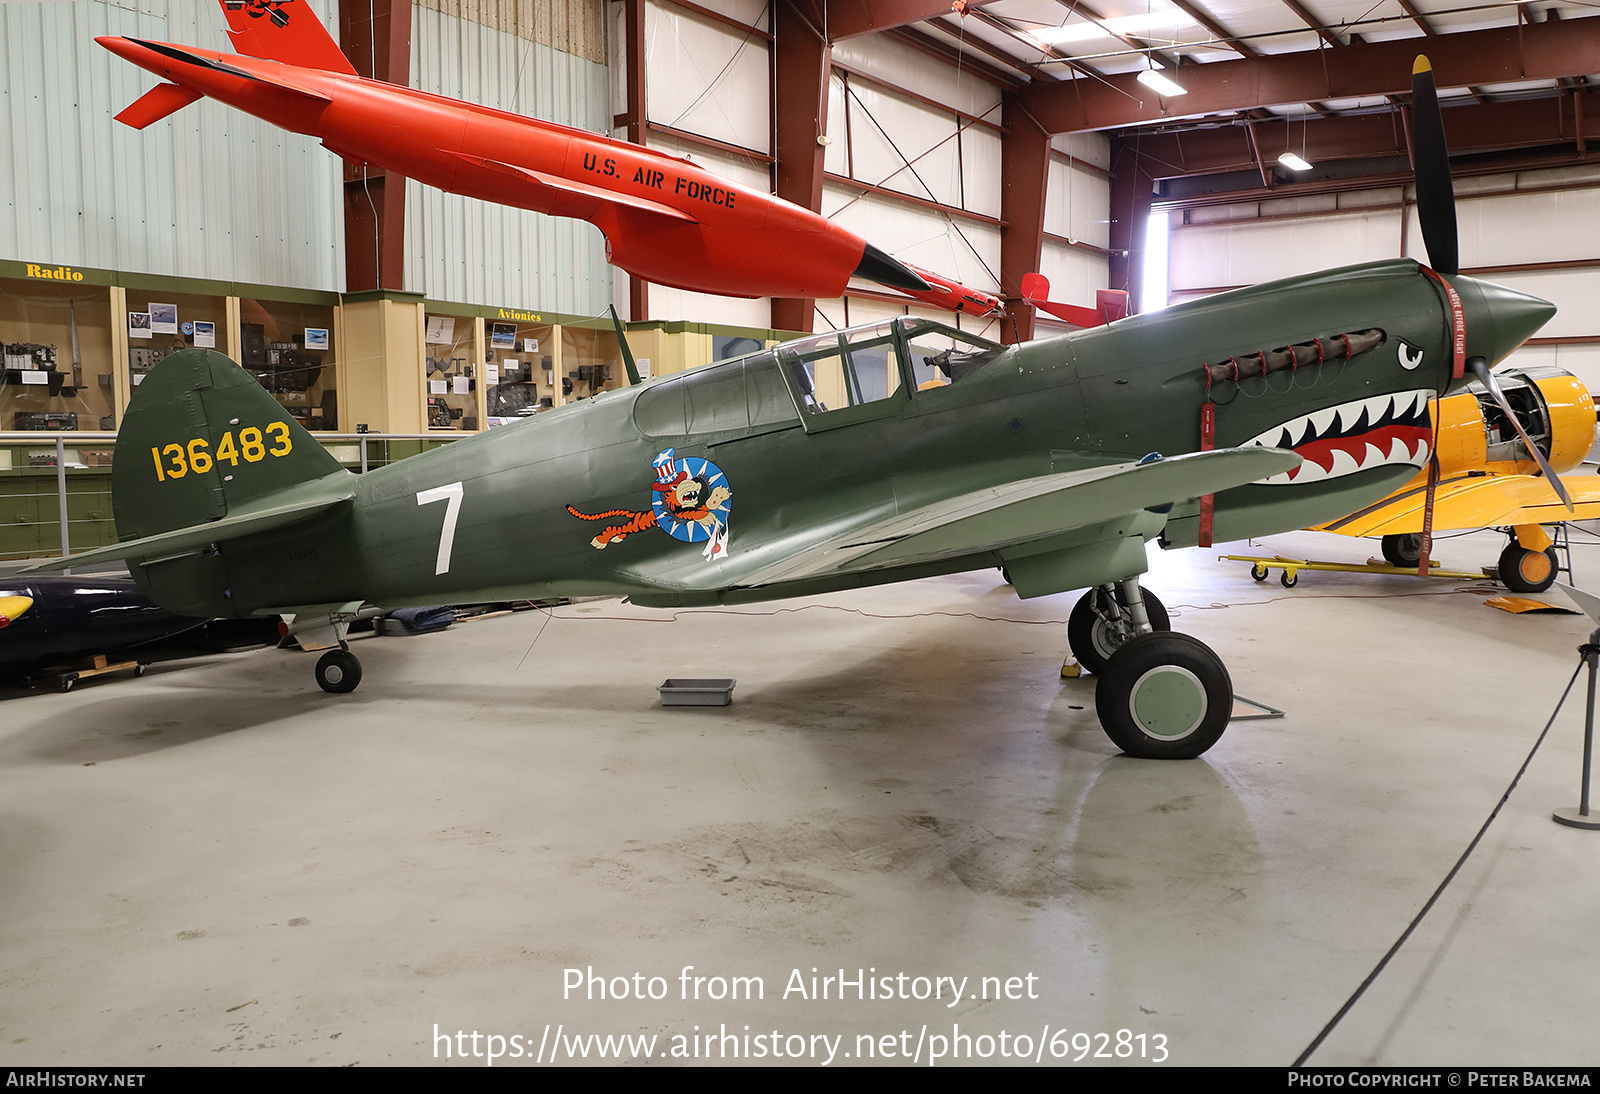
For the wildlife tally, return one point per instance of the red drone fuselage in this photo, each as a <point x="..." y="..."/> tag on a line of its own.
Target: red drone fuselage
<point x="664" y="218"/>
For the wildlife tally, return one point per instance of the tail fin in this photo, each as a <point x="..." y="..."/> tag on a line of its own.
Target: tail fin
<point x="284" y="30"/>
<point x="202" y="442"/>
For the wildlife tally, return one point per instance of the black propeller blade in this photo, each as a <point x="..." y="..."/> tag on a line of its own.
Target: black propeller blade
<point x="1436" y="198"/>
<point x="1480" y="369"/>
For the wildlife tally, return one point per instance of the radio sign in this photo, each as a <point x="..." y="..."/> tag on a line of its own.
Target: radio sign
<point x="60" y="273"/>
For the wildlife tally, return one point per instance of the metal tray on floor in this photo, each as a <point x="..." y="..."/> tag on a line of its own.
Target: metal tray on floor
<point x="696" y="693"/>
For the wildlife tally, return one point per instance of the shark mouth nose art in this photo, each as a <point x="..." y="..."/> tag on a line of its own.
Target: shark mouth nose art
<point x="1356" y="436"/>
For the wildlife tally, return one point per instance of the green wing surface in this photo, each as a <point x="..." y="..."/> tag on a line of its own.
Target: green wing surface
<point x="995" y="518"/>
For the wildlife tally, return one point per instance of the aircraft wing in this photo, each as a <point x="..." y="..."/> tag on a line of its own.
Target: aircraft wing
<point x="1475" y="501"/>
<point x="987" y="519"/>
<point x="568" y="197"/>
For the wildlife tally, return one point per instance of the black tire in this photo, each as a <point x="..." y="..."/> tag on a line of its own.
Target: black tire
<point x="338" y="671"/>
<point x="1092" y="641"/>
<point x="1525" y="571"/>
<point x="1164" y="696"/>
<point x="1260" y="572"/>
<point x="1403" y="551"/>
<point x="1288" y="582"/>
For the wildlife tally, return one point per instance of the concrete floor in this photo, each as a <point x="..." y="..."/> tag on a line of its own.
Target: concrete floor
<point x="218" y="863"/>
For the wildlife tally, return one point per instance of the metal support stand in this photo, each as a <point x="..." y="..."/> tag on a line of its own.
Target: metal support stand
<point x="1581" y="817"/>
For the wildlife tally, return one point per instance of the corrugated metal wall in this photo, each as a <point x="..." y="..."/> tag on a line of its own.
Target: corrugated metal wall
<point x="462" y="249"/>
<point x="209" y="192"/>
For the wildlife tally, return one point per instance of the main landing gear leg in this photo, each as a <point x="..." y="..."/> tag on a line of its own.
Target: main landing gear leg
<point x="1159" y="695"/>
<point x="1108" y="617"/>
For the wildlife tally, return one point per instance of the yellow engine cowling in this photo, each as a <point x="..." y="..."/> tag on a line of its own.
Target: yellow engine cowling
<point x="1560" y="414"/>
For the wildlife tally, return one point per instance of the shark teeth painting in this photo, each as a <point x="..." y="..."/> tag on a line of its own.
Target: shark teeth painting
<point x="1354" y="436"/>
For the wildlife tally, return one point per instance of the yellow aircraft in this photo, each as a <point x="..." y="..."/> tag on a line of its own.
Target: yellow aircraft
<point x="1488" y="478"/>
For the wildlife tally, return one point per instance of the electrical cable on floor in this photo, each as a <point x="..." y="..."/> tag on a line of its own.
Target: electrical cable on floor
<point x="1373" y="975"/>
<point x="548" y="615"/>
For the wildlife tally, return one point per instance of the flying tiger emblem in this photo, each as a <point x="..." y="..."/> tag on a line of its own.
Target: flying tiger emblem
<point x="690" y="500"/>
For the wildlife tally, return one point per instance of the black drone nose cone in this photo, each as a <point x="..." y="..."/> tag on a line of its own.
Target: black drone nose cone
<point x="1500" y="319"/>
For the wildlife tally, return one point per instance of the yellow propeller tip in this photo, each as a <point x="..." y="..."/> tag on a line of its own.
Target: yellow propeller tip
<point x="1420" y="66"/>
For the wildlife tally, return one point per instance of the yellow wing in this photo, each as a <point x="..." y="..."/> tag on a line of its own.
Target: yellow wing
<point x="1474" y="501"/>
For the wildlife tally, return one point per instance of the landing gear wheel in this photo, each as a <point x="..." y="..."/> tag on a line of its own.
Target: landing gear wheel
<point x="1403" y="551"/>
<point x="1525" y="571"/>
<point x="1164" y="696"/>
<point x="338" y="671"/>
<point x="1259" y="572"/>
<point x="1094" y="638"/>
<point x="1288" y="582"/>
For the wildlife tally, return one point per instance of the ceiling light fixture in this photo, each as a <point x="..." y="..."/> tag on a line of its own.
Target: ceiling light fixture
<point x="1293" y="162"/>
<point x="1110" y="28"/>
<point x="1161" y="85"/>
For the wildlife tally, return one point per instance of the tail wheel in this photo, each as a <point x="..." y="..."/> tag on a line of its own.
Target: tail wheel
<point x="1525" y="571"/>
<point x="1164" y="696"/>
<point x="1094" y="636"/>
<point x="338" y="671"/>
<point x="1403" y="551"/>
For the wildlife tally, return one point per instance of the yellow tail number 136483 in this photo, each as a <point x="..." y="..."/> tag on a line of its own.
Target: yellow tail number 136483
<point x="176" y="460"/>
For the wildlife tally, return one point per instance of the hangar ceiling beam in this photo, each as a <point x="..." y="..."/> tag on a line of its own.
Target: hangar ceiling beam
<point x="802" y="63"/>
<point x="1543" y="51"/>
<point x="849" y="18"/>
<point x="1490" y="127"/>
<point x="376" y="36"/>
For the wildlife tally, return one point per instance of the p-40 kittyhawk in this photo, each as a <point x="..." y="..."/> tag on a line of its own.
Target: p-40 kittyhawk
<point x="832" y="462"/>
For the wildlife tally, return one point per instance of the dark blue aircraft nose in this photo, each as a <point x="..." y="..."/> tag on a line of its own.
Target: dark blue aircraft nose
<point x="1499" y="319"/>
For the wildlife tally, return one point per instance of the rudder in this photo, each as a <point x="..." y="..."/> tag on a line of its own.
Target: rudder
<point x="200" y="439"/>
<point x="284" y="30"/>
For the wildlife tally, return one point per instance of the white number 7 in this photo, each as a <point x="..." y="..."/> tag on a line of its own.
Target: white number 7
<point x="447" y="536"/>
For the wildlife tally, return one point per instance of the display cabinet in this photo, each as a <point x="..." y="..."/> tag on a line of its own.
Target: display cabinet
<point x="290" y="347"/>
<point x="58" y="368"/>
<point x="452" y="360"/>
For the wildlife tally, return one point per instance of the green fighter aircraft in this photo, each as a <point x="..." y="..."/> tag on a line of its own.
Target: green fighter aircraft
<point x="881" y="453"/>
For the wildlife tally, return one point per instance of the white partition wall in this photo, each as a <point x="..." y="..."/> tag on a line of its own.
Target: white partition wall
<point x="208" y="192"/>
<point x="460" y="248"/>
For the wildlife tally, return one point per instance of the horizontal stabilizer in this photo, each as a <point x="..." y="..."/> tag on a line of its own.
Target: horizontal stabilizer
<point x="155" y="104"/>
<point x="308" y="501"/>
<point x="1110" y="304"/>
